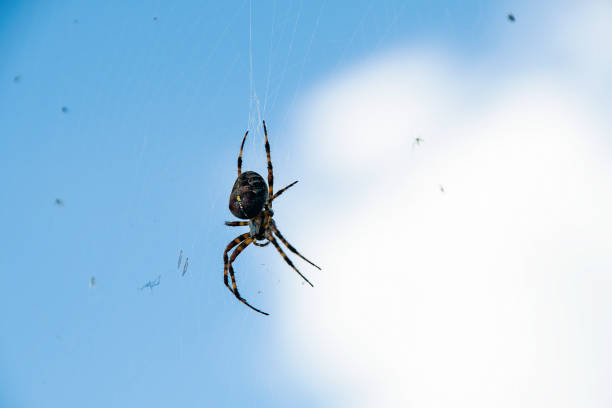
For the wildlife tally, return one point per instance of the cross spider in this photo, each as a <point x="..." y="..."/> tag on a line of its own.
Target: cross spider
<point x="250" y="201"/>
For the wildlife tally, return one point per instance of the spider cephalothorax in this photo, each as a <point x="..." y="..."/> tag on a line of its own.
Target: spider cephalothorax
<point x="251" y="199"/>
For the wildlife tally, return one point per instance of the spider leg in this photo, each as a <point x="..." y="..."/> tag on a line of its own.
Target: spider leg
<point x="235" y="254"/>
<point x="288" y="245"/>
<point x="260" y="245"/>
<point x="280" y="251"/>
<point x="236" y="223"/>
<point x="240" y="155"/>
<point x="243" y="300"/>
<point x="229" y="246"/>
<point x="270" y="173"/>
<point x="282" y="190"/>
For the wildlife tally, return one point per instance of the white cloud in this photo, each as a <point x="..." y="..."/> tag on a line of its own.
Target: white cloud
<point x="495" y="292"/>
<point x="583" y="35"/>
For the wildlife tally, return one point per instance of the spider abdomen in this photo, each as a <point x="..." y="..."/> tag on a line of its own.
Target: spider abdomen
<point x="249" y="194"/>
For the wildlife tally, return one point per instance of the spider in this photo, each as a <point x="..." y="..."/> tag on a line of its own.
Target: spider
<point x="250" y="201"/>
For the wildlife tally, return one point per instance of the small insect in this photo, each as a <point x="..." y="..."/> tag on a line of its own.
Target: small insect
<point x="180" y="260"/>
<point x="92" y="282"/>
<point x="64" y="109"/>
<point x="17" y="79"/>
<point x="511" y="18"/>
<point x="152" y="284"/>
<point x="441" y="188"/>
<point x="59" y="201"/>
<point x="154" y="18"/>
<point x="417" y="141"/>
<point x="251" y="200"/>
<point x="185" y="267"/>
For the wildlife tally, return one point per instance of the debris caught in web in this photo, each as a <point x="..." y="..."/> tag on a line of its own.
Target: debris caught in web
<point x="152" y="284"/>
<point x="180" y="260"/>
<point x="185" y="267"/>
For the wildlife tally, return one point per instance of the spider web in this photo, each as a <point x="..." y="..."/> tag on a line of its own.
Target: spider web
<point x="271" y="56"/>
<point x="143" y="160"/>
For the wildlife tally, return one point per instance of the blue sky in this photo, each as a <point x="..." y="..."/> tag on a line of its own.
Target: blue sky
<point x="158" y="96"/>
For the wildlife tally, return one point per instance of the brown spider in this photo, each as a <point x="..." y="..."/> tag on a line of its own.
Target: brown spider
<point x="250" y="201"/>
